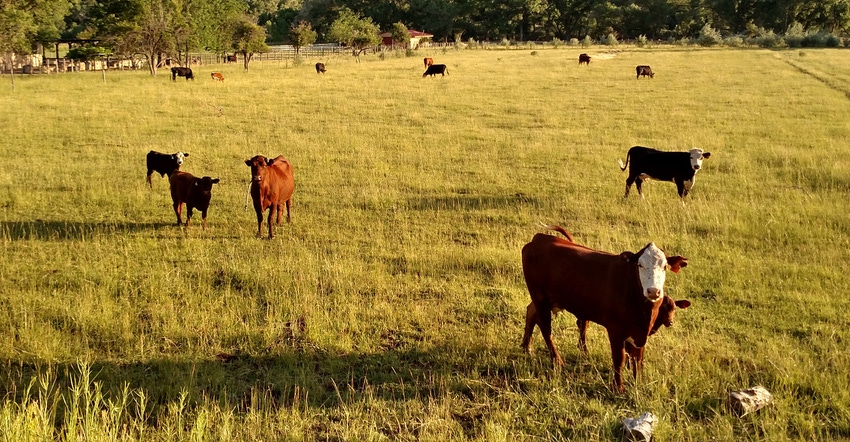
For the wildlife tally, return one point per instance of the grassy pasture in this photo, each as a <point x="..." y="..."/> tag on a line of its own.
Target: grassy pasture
<point x="393" y="305"/>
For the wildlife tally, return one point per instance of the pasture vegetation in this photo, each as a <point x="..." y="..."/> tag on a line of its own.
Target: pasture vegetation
<point x="393" y="306"/>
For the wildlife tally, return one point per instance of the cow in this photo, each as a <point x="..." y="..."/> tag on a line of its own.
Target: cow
<point x="428" y="61"/>
<point x="164" y="163"/>
<point x="229" y="58"/>
<point x="194" y="192"/>
<point x="320" y="68"/>
<point x="643" y="71"/>
<point x="217" y="76"/>
<point x="584" y="58"/>
<point x="666" y="314"/>
<point x="272" y="184"/>
<point x="435" y="69"/>
<point x="622" y="293"/>
<point x="648" y="163"/>
<point x="181" y="72"/>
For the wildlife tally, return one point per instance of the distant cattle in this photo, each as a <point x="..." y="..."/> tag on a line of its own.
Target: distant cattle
<point x="320" y="68"/>
<point x="647" y="163"/>
<point x="622" y="293"/>
<point x="230" y="58"/>
<point x="217" y="76"/>
<point x="194" y="192"/>
<point x="428" y="61"/>
<point x="163" y="163"/>
<point x="644" y="71"/>
<point x="666" y="314"/>
<point x="181" y="72"/>
<point x="435" y="69"/>
<point x="272" y="185"/>
<point x="584" y="58"/>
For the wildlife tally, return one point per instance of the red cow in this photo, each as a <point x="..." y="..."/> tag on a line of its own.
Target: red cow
<point x="622" y="293"/>
<point x="428" y="61"/>
<point x="194" y="191"/>
<point x="217" y="76"/>
<point x="272" y="184"/>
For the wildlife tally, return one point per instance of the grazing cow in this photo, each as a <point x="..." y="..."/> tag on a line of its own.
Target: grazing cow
<point x="622" y="293"/>
<point x="666" y="314"/>
<point x="678" y="167"/>
<point x="584" y="58"/>
<point x="181" y="72"/>
<point x="163" y="163"/>
<point x="435" y="69"/>
<point x="230" y="58"/>
<point x="320" y="67"/>
<point x="217" y="76"/>
<point x="194" y="191"/>
<point x="428" y="61"/>
<point x="644" y="71"/>
<point x="272" y="184"/>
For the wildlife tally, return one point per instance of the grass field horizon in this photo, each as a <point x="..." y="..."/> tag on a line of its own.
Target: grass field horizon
<point x="393" y="305"/>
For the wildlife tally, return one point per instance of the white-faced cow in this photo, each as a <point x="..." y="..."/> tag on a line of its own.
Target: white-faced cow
<point x="622" y="293"/>
<point x="163" y="163"/>
<point x="181" y="72"/>
<point x="647" y="163"/>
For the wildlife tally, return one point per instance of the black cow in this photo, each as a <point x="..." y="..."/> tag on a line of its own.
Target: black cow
<point x="320" y="67"/>
<point x="643" y="71"/>
<point x="181" y="72"/>
<point x="584" y="58"/>
<point x="164" y="163"/>
<point x="435" y="69"/>
<point x="230" y="58"/>
<point x="678" y="167"/>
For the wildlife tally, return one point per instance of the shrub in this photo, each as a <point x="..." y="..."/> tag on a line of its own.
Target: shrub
<point x="587" y="41"/>
<point x="557" y="42"/>
<point x="298" y="60"/>
<point x="733" y="41"/>
<point x="769" y="39"/>
<point x="409" y="52"/>
<point x="794" y="35"/>
<point x="471" y="43"/>
<point x="573" y="42"/>
<point x="641" y="40"/>
<point x="611" y="40"/>
<point x="506" y="42"/>
<point x="709" y="36"/>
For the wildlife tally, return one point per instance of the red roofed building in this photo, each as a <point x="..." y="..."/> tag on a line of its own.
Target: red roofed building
<point x="417" y="38"/>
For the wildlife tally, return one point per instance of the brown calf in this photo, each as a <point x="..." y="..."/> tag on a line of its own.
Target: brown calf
<point x="217" y="76"/>
<point x="272" y="184"/>
<point x="584" y="58"/>
<point x="428" y="61"/>
<point x="194" y="192"/>
<point x="622" y="293"/>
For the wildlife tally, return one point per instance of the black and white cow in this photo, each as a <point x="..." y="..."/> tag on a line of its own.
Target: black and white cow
<point x="181" y="72"/>
<point x="678" y="167"/>
<point x="164" y="163"/>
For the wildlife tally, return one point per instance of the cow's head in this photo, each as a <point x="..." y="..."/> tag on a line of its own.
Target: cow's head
<point x="697" y="155"/>
<point x="258" y="166"/>
<point x="652" y="265"/>
<point x="205" y="184"/>
<point x="178" y="157"/>
<point x="667" y="312"/>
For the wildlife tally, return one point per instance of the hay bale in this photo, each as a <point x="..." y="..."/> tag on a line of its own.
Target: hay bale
<point x="640" y="429"/>
<point x="747" y="401"/>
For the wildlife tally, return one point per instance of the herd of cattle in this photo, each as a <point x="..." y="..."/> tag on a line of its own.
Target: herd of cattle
<point x="622" y="292"/>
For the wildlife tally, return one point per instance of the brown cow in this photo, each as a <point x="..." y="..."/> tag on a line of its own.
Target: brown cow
<point x="622" y="293"/>
<point x="194" y="191"/>
<point x="320" y="68"/>
<point x="643" y="71"/>
<point x="584" y="58"/>
<point x="272" y="184"/>
<point x="217" y="76"/>
<point x="428" y="61"/>
<point x="666" y="315"/>
<point x="230" y="58"/>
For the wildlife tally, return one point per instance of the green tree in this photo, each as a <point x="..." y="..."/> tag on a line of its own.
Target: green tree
<point x="301" y="34"/>
<point x="248" y="39"/>
<point x="355" y="32"/>
<point x="212" y="23"/>
<point x="400" y="34"/>
<point x="23" y="23"/>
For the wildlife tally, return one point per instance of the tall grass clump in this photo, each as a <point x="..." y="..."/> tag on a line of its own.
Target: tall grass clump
<point x="574" y="42"/>
<point x="709" y="36"/>
<point x="611" y="40"/>
<point x="557" y="43"/>
<point x="586" y="42"/>
<point x="641" y="41"/>
<point x="794" y="35"/>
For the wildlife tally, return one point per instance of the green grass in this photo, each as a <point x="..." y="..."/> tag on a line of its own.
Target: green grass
<point x="393" y="306"/>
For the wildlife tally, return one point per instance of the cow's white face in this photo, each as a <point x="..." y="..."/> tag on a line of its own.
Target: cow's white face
<point x="652" y="270"/>
<point x="697" y="155"/>
<point x="178" y="157"/>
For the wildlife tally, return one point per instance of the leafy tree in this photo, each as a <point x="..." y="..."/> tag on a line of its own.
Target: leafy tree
<point x="248" y="39"/>
<point x="212" y="23"/>
<point x="278" y="25"/>
<point x="355" y="32"/>
<point x="400" y="34"/>
<point x="150" y="33"/>
<point x="302" y="34"/>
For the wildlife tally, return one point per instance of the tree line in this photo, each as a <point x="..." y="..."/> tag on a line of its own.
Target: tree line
<point x="156" y="29"/>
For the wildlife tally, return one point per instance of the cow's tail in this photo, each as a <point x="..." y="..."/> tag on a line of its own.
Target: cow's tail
<point x="558" y="229"/>
<point x="620" y="162"/>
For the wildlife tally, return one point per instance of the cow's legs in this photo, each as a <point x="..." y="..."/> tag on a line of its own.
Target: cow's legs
<point x="150" y="172"/>
<point x="259" y="221"/>
<point x="544" y="316"/>
<point x="635" y="358"/>
<point x="288" y="217"/>
<point x="277" y="219"/>
<point x="272" y="209"/>
<point x="617" y="355"/>
<point x="203" y="220"/>
<point x="582" y="334"/>
<point x="177" y="209"/>
<point x="530" y="322"/>
<point x="639" y="186"/>
<point x="629" y="181"/>
<point x="188" y="214"/>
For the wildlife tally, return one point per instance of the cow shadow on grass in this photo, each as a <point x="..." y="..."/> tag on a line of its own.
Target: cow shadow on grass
<point x="471" y="202"/>
<point x="70" y="230"/>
